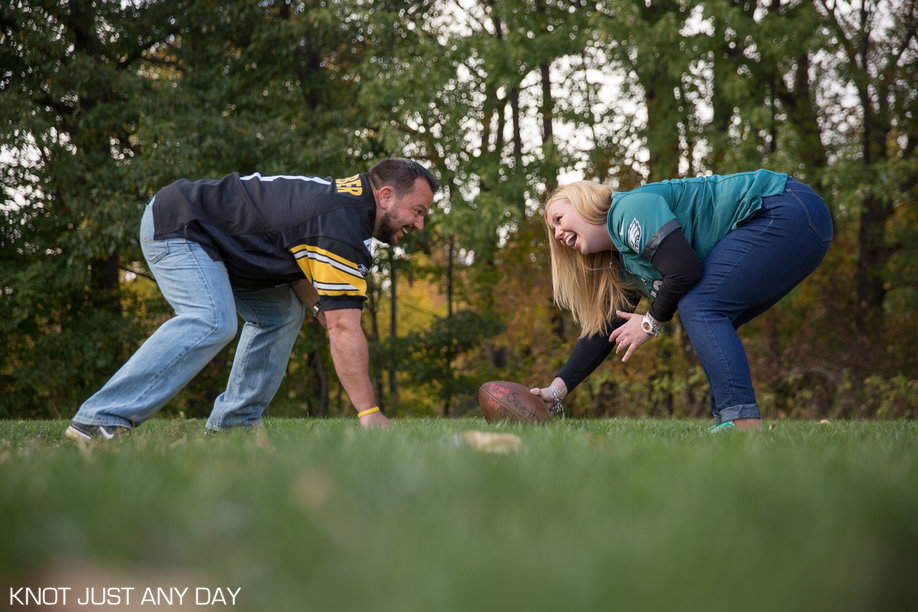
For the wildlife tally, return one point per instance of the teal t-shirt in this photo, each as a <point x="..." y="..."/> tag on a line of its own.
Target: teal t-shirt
<point x="705" y="208"/>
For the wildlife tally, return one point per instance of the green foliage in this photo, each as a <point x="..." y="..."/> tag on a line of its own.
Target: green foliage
<point x="430" y="358"/>
<point x="69" y="110"/>
<point x="103" y="103"/>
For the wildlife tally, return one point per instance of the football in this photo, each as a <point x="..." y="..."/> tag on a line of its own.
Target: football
<point x="502" y="400"/>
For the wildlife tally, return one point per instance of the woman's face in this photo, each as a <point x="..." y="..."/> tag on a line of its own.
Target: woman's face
<point x="572" y="231"/>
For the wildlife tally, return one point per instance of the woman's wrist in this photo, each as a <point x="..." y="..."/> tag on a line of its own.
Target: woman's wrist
<point x="651" y="326"/>
<point x="558" y="391"/>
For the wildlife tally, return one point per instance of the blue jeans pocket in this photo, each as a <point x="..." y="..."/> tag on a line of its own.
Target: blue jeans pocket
<point x="815" y="209"/>
<point x="154" y="250"/>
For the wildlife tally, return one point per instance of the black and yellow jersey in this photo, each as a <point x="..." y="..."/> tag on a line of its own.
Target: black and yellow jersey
<point x="271" y="230"/>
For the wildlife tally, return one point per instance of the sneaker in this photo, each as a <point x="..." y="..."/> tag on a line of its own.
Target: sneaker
<point x="725" y="426"/>
<point x="87" y="435"/>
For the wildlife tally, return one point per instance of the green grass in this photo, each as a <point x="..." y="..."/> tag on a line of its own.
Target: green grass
<point x="585" y="515"/>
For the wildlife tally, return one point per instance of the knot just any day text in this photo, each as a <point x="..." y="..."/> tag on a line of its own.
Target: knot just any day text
<point x="122" y="596"/>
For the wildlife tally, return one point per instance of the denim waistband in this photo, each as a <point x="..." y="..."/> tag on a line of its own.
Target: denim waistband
<point x="795" y="185"/>
<point x="791" y="185"/>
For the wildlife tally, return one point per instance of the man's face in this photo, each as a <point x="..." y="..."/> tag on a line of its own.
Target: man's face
<point x="402" y="214"/>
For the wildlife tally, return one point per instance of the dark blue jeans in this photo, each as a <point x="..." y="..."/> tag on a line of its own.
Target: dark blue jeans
<point x="749" y="271"/>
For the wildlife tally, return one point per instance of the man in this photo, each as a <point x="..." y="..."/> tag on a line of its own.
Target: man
<point x="267" y="248"/>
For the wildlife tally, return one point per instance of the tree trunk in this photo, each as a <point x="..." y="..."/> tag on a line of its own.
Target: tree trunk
<point x="104" y="283"/>
<point x="393" y="324"/>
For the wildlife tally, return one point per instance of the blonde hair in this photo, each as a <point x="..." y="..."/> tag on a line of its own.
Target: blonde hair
<point x="590" y="286"/>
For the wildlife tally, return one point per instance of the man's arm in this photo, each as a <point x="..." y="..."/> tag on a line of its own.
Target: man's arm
<point x="351" y="357"/>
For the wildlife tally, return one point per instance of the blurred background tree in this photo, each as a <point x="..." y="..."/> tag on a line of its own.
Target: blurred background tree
<point x="104" y="102"/>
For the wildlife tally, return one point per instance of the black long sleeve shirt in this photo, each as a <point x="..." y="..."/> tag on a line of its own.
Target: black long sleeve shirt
<point x="681" y="270"/>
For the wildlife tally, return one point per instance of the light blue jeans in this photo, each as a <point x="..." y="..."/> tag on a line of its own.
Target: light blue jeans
<point x="198" y="289"/>
<point x="748" y="272"/>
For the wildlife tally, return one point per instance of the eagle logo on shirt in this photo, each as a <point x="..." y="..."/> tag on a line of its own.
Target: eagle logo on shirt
<point x="634" y="235"/>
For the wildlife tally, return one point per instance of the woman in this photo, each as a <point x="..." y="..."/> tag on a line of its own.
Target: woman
<point x="721" y="249"/>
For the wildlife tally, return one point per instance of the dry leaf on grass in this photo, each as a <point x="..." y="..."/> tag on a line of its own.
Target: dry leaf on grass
<point x="492" y="442"/>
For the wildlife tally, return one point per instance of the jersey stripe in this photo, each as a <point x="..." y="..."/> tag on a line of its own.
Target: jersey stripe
<point x="269" y="179"/>
<point x="327" y="257"/>
<point x="337" y="289"/>
<point x="330" y="274"/>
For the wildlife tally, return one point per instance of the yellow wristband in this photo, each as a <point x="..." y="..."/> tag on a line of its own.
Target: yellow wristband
<point x="360" y="415"/>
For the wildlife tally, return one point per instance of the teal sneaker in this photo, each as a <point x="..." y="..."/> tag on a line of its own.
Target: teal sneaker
<point x="725" y="426"/>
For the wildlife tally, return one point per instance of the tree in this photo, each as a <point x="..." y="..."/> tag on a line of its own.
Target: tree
<point x="70" y="95"/>
<point x="877" y="42"/>
<point x="102" y="103"/>
<point x="644" y="40"/>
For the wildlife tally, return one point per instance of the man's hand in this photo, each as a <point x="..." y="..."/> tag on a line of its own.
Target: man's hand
<point x="310" y="297"/>
<point x="377" y="419"/>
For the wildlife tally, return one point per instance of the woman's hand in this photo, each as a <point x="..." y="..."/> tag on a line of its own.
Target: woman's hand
<point x="551" y="399"/>
<point x="628" y="336"/>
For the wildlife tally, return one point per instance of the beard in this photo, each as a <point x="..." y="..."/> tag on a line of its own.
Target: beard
<point x="387" y="229"/>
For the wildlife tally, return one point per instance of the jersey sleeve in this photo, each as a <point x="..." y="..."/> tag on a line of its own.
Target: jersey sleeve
<point x="638" y="222"/>
<point x="336" y="261"/>
<point x="338" y="280"/>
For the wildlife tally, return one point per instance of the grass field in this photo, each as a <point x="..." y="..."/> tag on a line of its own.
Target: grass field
<point x="583" y="515"/>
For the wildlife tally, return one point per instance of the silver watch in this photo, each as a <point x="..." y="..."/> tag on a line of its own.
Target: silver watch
<point x="650" y="326"/>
